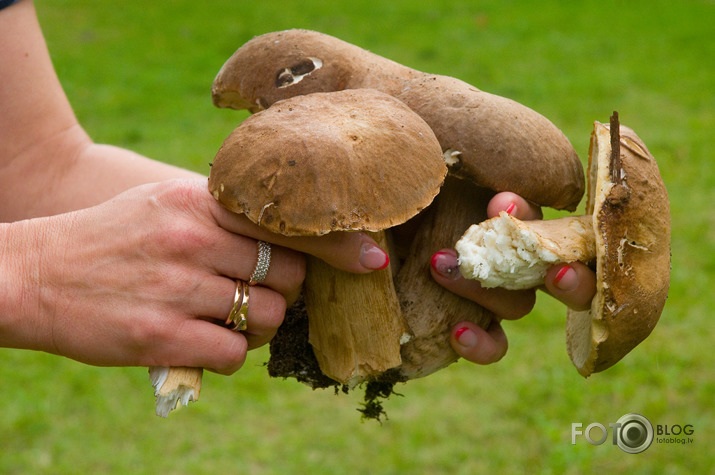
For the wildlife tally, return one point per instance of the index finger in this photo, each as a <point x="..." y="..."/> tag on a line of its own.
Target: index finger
<point x="353" y="252"/>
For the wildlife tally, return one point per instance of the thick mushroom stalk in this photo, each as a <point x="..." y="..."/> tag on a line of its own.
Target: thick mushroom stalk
<point x="625" y="236"/>
<point x="346" y="349"/>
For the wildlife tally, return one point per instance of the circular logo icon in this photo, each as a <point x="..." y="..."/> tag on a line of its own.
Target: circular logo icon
<point x="634" y="434"/>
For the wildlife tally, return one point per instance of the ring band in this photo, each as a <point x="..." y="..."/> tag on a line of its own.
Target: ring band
<point x="237" y="320"/>
<point x="263" y="263"/>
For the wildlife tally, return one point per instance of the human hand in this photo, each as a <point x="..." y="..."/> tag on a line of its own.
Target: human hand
<point x="148" y="279"/>
<point x="574" y="284"/>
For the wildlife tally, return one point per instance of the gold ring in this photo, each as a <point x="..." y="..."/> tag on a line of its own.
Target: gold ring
<point x="237" y="320"/>
<point x="263" y="263"/>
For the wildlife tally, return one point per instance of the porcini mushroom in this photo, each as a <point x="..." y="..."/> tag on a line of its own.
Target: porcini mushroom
<point x="489" y="142"/>
<point x="625" y="235"/>
<point x="485" y="137"/>
<point x="355" y="160"/>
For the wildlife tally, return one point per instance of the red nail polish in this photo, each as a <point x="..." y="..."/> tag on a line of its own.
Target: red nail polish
<point x="466" y="337"/>
<point x="510" y="209"/>
<point x="445" y="265"/>
<point x="435" y="259"/>
<point x="373" y="258"/>
<point x="387" y="262"/>
<point x="561" y="273"/>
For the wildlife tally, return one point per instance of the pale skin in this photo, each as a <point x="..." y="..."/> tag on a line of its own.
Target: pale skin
<point x="112" y="258"/>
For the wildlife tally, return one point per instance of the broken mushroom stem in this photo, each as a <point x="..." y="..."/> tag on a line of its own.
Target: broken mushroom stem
<point x="507" y="252"/>
<point x="175" y="386"/>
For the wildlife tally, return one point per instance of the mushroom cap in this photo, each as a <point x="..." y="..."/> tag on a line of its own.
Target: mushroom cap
<point x="490" y="140"/>
<point x="498" y="143"/>
<point x="282" y="64"/>
<point x="341" y="161"/>
<point x="631" y="218"/>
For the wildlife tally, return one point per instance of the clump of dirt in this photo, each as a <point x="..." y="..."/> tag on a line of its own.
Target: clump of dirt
<point x="291" y="356"/>
<point x="381" y="388"/>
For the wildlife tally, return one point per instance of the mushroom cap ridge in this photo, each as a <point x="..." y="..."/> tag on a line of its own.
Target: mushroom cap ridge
<point x="631" y="218"/>
<point x="340" y="161"/>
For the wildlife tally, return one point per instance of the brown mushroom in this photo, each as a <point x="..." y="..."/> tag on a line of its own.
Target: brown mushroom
<point x="625" y="235"/>
<point x="356" y="160"/>
<point x="490" y="142"/>
<point x="484" y="137"/>
<point x="494" y="143"/>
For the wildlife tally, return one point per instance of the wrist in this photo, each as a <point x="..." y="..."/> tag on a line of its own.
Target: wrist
<point x="20" y="284"/>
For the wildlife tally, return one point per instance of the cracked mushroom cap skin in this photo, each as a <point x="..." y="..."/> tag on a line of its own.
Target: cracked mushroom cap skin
<point x="493" y="141"/>
<point x="341" y="161"/>
<point x="631" y="217"/>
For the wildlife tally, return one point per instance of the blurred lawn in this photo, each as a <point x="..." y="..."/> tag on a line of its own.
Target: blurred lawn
<point x="139" y="76"/>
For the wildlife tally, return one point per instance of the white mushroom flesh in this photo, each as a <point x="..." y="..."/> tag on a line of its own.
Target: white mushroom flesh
<point x="500" y="254"/>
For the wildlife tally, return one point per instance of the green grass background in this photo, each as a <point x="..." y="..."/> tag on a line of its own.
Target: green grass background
<point x="139" y="76"/>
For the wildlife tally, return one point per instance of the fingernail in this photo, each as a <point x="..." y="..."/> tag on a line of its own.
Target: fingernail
<point x="511" y="208"/>
<point x="466" y="337"/>
<point x="373" y="258"/>
<point x="446" y="265"/>
<point x="566" y="278"/>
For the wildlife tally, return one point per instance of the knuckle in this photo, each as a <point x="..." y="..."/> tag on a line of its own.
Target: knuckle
<point x="274" y="308"/>
<point x="293" y="272"/>
<point x="339" y="248"/>
<point x="182" y="237"/>
<point x="145" y="335"/>
<point x="234" y="357"/>
<point x="182" y="194"/>
<point x="522" y="303"/>
<point x="191" y="237"/>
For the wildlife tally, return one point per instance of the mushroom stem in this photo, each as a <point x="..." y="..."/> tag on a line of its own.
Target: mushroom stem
<point x="356" y="326"/>
<point x="429" y="310"/>
<point x="174" y="386"/>
<point x="506" y="252"/>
